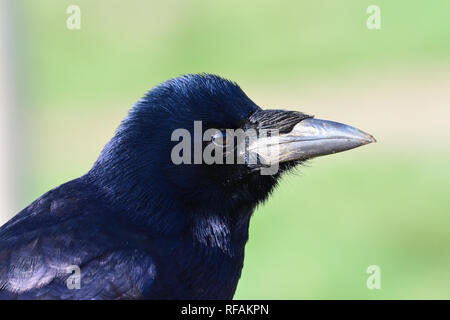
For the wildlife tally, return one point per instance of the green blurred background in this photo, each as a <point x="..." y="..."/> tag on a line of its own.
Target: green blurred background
<point x="386" y="204"/>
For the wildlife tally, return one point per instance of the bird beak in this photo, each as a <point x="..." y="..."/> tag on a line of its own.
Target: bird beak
<point x="308" y="139"/>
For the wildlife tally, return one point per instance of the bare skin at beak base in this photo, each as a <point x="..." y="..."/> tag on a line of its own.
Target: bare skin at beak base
<point x="308" y="139"/>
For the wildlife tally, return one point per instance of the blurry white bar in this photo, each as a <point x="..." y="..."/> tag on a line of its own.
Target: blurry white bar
<point x="7" y="185"/>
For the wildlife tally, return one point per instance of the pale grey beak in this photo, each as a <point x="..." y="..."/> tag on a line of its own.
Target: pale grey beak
<point x="308" y="139"/>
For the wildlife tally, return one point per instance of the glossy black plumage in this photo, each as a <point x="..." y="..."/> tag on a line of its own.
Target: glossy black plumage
<point x="137" y="225"/>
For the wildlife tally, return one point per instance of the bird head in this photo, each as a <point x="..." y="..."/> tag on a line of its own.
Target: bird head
<point x="202" y="138"/>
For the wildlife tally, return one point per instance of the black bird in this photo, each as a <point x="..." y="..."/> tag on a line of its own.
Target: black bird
<point x="139" y="225"/>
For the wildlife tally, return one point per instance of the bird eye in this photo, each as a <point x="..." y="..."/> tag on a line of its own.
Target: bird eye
<point x="220" y="139"/>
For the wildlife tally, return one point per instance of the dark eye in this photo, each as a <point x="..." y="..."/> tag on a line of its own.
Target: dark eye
<point x="220" y="139"/>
